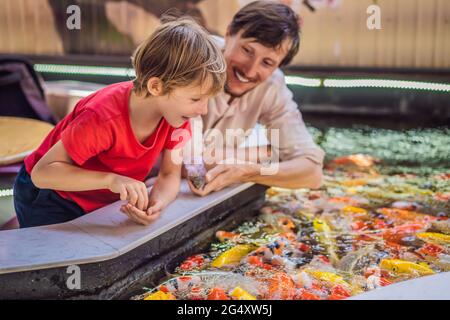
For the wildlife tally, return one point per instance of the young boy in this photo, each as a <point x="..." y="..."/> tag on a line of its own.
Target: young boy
<point x="105" y="148"/>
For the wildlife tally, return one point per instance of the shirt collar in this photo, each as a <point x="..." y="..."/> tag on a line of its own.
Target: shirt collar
<point x="232" y="108"/>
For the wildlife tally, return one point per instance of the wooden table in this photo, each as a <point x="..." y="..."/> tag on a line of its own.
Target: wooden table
<point x="19" y="137"/>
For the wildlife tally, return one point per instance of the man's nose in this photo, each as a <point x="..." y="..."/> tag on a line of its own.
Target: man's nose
<point x="251" y="69"/>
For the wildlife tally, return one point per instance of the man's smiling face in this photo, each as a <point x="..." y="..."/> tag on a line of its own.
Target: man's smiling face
<point x="249" y="62"/>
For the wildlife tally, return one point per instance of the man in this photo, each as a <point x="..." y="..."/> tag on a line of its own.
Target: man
<point x="263" y="36"/>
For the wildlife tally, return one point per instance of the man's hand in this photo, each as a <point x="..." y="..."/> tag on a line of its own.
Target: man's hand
<point x="224" y="175"/>
<point x="296" y="173"/>
<point x="143" y="217"/>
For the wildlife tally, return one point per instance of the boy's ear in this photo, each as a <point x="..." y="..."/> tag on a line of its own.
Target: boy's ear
<point x="155" y="86"/>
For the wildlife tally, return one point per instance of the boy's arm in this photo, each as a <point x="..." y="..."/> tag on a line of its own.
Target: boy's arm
<point x="55" y="170"/>
<point x="167" y="184"/>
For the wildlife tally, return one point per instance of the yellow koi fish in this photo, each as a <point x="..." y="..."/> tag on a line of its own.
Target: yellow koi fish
<point x="232" y="256"/>
<point x="329" y="277"/>
<point x="405" y="267"/>
<point x="354" y="182"/>
<point x="160" y="295"/>
<point x="351" y="209"/>
<point x="434" y="237"/>
<point x="241" y="294"/>
<point x="325" y="236"/>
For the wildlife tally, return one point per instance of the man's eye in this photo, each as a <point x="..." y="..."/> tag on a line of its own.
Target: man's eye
<point x="268" y="64"/>
<point x="246" y="50"/>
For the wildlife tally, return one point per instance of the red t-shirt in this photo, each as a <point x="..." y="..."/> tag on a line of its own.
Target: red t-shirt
<point x="98" y="136"/>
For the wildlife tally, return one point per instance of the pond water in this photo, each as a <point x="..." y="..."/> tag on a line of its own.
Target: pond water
<point x="381" y="217"/>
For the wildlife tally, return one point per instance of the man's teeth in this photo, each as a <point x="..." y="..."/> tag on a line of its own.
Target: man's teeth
<point x="241" y="78"/>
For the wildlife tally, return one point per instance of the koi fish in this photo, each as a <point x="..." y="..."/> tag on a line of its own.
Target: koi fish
<point x="406" y="205"/>
<point x="434" y="237"/>
<point x="194" y="262"/>
<point x="405" y="215"/>
<point x="217" y="293"/>
<point x="435" y="254"/>
<point x="405" y="267"/>
<point x="397" y="233"/>
<point x="240" y="294"/>
<point x="442" y="226"/>
<point x="232" y="256"/>
<point x="286" y="224"/>
<point x="225" y="235"/>
<point x="360" y="160"/>
<point x="328" y="277"/>
<point x="324" y="231"/>
<point x="281" y="287"/>
<point x="160" y="295"/>
<point x="354" y="210"/>
<point x="346" y="200"/>
<point x="354" y="182"/>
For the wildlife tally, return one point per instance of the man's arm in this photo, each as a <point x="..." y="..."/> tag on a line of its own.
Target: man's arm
<point x="301" y="159"/>
<point x="292" y="174"/>
<point x="299" y="172"/>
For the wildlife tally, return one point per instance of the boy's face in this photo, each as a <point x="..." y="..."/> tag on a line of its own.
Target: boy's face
<point x="249" y="62"/>
<point x="183" y="103"/>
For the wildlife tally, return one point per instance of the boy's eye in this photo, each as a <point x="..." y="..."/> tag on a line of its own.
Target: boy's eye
<point x="195" y="100"/>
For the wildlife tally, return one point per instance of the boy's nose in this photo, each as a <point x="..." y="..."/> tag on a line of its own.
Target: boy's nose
<point x="203" y="110"/>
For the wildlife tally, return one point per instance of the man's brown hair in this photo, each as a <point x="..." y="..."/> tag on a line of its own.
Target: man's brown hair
<point x="180" y="53"/>
<point x="270" y="23"/>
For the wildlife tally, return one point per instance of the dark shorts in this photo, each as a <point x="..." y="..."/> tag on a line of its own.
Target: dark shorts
<point x="38" y="207"/>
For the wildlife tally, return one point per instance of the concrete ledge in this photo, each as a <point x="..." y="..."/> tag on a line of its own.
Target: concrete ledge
<point x="117" y="257"/>
<point x="101" y="235"/>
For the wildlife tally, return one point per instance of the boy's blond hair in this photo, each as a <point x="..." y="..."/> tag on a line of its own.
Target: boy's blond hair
<point x="180" y="53"/>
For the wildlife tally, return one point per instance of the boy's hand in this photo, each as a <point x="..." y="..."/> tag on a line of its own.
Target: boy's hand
<point x="156" y="206"/>
<point x="134" y="191"/>
<point x="143" y="217"/>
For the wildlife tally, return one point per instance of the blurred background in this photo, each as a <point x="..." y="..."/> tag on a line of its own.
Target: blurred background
<point x="414" y="33"/>
<point x="411" y="45"/>
<point x="386" y="87"/>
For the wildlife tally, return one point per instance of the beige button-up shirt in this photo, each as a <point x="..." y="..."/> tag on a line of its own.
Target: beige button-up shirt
<point x="270" y="104"/>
